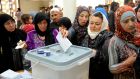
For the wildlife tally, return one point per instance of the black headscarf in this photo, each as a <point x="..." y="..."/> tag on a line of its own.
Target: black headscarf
<point x="10" y="58"/>
<point x="38" y="18"/>
<point x="15" y="35"/>
<point x="3" y="19"/>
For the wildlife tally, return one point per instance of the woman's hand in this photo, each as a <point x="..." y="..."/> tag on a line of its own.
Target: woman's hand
<point x="120" y="68"/>
<point x="131" y="59"/>
<point x="127" y="64"/>
<point x="63" y="31"/>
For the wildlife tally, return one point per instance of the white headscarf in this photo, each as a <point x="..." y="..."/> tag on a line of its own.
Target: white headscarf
<point x="103" y="27"/>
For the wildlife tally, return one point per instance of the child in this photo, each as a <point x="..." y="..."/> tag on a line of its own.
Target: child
<point x="65" y="22"/>
<point x="27" y="23"/>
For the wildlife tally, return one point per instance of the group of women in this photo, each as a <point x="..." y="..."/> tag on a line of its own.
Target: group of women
<point x="117" y="54"/>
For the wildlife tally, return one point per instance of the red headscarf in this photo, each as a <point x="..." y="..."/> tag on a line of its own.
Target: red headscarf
<point x="120" y="31"/>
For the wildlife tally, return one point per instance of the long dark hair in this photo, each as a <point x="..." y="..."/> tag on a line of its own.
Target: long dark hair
<point x="98" y="14"/>
<point x="49" y="39"/>
<point x="38" y="18"/>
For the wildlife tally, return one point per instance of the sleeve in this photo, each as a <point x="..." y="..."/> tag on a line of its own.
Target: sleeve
<point x="113" y="57"/>
<point x="29" y="41"/>
<point x="22" y="35"/>
<point x="117" y="53"/>
<point x="71" y="32"/>
<point x="55" y="32"/>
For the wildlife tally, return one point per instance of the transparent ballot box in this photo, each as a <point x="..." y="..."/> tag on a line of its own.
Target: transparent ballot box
<point x="51" y="62"/>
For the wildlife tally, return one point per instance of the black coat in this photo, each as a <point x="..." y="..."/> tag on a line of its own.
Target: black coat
<point x="10" y="58"/>
<point x="111" y="17"/>
<point x="99" y="64"/>
<point x="76" y="36"/>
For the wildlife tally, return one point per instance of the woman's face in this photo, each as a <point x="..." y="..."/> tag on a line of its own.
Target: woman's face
<point x="55" y="16"/>
<point x="138" y="14"/>
<point x="42" y="25"/>
<point x="95" y="24"/>
<point x="129" y="24"/>
<point x="83" y="18"/>
<point x="10" y="25"/>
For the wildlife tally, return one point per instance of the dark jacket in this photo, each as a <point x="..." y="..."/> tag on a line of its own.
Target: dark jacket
<point x="11" y="58"/>
<point x="111" y="20"/>
<point x="137" y="66"/>
<point x="77" y="36"/>
<point x="54" y="25"/>
<point x="99" y="64"/>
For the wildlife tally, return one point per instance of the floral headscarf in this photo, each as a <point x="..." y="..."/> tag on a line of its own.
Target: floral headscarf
<point x="119" y="29"/>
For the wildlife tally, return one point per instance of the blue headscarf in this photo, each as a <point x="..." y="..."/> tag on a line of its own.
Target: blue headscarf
<point x="102" y="10"/>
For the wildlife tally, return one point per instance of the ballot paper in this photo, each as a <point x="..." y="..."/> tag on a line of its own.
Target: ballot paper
<point x="10" y="74"/>
<point x="63" y="41"/>
<point x="20" y="45"/>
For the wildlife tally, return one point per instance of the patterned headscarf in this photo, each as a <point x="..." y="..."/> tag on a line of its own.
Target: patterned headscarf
<point x="119" y="29"/>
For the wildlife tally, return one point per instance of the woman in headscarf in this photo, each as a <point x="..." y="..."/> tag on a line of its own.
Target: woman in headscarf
<point x="79" y="28"/>
<point x="124" y="45"/>
<point x="10" y="58"/>
<point x="98" y="38"/>
<point x="42" y="35"/>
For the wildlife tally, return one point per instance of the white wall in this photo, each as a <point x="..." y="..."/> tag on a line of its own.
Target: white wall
<point x="92" y="3"/>
<point x="30" y="5"/>
<point x="69" y="9"/>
